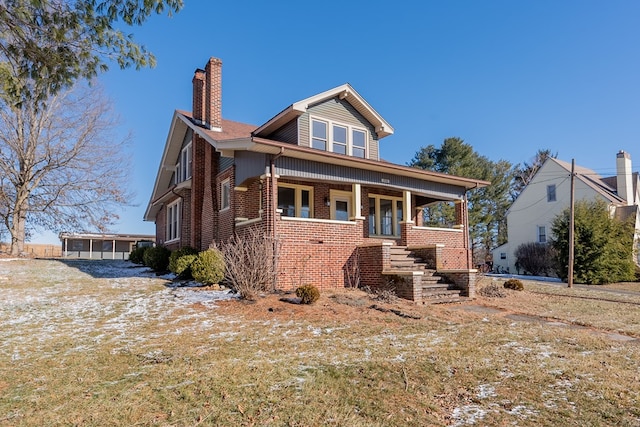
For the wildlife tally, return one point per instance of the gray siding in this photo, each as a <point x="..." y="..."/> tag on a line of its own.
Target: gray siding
<point x="339" y="111"/>
<point x="225" y="163"/>
<point x="287" y="133"/>
<point x="313" y="171"/>
<point x="249" y="165"/>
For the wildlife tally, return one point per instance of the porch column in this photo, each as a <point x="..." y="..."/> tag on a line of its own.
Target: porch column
<point x="356" y="190"/>
<point x="113" y="249"/>
<point x="406" y="206"/>
<point x="66" y="248"/>
<point x="90" y="248"/>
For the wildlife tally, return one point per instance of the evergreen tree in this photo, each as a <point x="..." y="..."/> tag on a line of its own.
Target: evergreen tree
<point x="603" y="248"/>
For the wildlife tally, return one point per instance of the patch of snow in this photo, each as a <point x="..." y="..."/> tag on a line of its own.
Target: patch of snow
<point x="485" y="391"/>
<point x="468" y="415"/>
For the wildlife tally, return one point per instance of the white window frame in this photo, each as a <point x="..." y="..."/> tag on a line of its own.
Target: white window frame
<point x="184" y="165"/>
<point x="551" y="193"/>
<point x="330" y="141"/>
<point x="395" y="224"/>
<point x="225" y="194"/>
<point x="174" y="221"/>
<point x="540" y="236"/>
<point x="297" y="198"/>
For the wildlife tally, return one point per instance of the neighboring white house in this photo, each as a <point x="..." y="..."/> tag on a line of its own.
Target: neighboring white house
<point x="530" y="216"/>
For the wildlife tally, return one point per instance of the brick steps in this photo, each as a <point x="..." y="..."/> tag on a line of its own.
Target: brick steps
<point x="428" y="289"/>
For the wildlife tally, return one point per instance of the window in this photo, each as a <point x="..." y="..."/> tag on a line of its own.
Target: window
<point x="183" y="167"/>
<point x="173" y="221"/>
<point x="295" y="200"/>
<point x="338" y="138"/>
<point x="318" y="135"/>
<point x="503" y="255"/>
<point x="225" y="194"/>
<point x="358" y="143"/>
<point x="551" y="193"/>
<point x="385" y="215"/>
<point x="542" y="234"/>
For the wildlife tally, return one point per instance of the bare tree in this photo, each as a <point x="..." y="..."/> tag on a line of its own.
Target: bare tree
<point x="60" y="166"/>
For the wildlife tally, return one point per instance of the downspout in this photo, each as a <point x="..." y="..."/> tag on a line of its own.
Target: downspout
<point x="274" y="207"/>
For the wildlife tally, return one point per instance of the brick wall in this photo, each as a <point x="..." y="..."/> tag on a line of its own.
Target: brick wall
<point x="314" y="252"/>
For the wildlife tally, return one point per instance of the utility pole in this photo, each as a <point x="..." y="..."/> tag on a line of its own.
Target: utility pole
<point x="571" y="223"/>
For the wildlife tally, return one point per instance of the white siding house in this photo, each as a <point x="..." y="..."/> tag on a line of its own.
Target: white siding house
<point x="530" y="216"/>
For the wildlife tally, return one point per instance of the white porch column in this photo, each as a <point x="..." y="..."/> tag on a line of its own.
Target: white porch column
<point x="90" y="248"/>
<point x="406" y="206"/>
<point x="356" y="190"/>
<point x="113" y="249"/>
<point x="66" y="248"/>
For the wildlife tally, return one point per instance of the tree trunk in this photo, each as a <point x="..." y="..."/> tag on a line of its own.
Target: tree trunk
<point x="17" y="229"/>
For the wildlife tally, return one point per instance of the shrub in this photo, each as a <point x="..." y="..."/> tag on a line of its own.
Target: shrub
<point x="208" y="267"/>
<point x="535" y="258"/>
<point x="157" y="258"/>
<point x="137" y="255"/>
<point x="250" y="263"/>
<point x="514" y="284"/>
<point x="180" y="266"/>
<point x="308" y="294"/>
<point x="492" y="291"/>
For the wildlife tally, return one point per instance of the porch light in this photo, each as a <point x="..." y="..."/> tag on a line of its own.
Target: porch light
<point x="327" y="202"/>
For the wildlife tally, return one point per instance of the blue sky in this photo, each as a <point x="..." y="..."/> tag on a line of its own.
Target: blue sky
<point x="508" y="77"/>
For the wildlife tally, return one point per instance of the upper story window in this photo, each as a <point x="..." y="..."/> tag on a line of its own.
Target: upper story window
<point x="295" y="200"/>
<point x="183" y="167"/>
<point x="338" y="138"/>
<point x="551" y="193"/>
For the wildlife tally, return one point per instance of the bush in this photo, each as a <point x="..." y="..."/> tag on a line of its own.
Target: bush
<point x="514" y="284"/>
<point x="308" y="294"/>
<point x="250" y="263"/>
<point x="208" y="267"/>
<point x="492" y="291"/>
<point x="137" y="255"/>
<point x="157" y="258"/>
<point x="534" y="258"/>
<point x="180" y="266"/>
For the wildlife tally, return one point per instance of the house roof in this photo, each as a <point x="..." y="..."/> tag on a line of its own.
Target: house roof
<point x="236" y="136"/>
<point x="601" y="185"/>
<point x="345" y="92"/>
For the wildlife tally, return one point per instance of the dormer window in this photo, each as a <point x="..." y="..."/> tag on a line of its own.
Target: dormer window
<point x="338" y="138"/>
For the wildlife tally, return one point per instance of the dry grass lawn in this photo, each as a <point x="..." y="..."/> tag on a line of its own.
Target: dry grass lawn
<point x="101" y="343"/>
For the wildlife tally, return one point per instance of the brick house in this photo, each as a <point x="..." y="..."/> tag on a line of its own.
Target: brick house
<point x="312" y="178"/>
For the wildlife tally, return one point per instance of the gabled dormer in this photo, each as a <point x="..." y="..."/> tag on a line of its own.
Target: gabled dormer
<point x="338" y="121"/>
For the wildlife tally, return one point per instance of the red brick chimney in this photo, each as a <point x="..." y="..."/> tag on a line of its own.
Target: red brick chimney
<point x="198" y="96"/>
<point x="213" y="94"/>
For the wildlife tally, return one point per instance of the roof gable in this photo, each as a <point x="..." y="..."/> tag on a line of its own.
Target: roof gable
<point x="344" y="92"/>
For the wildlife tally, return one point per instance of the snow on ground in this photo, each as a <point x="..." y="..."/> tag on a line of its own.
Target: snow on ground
<point x="35" y="312"/>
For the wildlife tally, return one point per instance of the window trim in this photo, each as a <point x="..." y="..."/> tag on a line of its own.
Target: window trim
<point x="542" y="228"/>
<point x="184" y="165"/>
<point x="551" y="193"/>
<point x="297" y="198"/>
<point x="330" y="139"/>
<point x="225" y="190"/>
<point x="395" y="225"/>
<point x="173" y="209"/>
